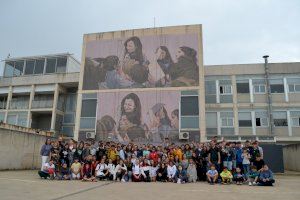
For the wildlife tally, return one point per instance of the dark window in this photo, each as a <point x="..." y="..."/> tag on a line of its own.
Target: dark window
<point x="245" y="123"/>
<point x="189" y="105"/>
<point x="19" y="68"/>
<point x="29" y="67"/>
<point x="280" y="122"/>
<point x="257" y="120"/>
<point x="277" y="88"/>
<point x="39" y="67"/>
<point x="88" y="108"/>
<point x="50" y="65"/>
<point x="61" y="65"/>
<point x="242" y="87"/>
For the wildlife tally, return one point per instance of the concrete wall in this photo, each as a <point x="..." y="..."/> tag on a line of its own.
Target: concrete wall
<point x="291" y="157"/>
<point x="19" y="149"/>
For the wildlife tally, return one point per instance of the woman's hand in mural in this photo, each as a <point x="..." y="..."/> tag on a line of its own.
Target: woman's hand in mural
<point x="151" y="79"/>
<point x="126" y="138"/>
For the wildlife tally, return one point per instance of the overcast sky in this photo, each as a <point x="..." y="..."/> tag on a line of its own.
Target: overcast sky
<point x="234" y="31"/>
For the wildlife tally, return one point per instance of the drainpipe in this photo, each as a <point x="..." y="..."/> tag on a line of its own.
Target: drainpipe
<point x="270" y="109"/>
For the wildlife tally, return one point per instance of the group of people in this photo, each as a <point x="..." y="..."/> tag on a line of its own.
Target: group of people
<point x="134" y="70"/>
<point x="215" y="162"/>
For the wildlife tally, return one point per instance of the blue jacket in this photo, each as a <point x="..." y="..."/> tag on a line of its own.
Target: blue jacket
<point x="239" y="153"/>
<point x="266" y="174"/>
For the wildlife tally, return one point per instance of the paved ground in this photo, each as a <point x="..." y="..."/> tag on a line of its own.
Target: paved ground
<point x="22" y="185"/>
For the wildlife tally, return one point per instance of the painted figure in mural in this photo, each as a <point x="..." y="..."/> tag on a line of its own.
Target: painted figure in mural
<point x="173" y="135"/>
<point x="106" y="129"/>
<point x="135" y="64"/>
<point x="185" y="71"/>
<point x="159" y="122"/>
<point x="134" y="52"/>
<point x="164" y="60"/>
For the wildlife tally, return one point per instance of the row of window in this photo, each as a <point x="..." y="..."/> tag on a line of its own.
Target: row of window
<point x="259" y="86"/>
<point x="245" y="119"/>
<point x="35" y="66"/>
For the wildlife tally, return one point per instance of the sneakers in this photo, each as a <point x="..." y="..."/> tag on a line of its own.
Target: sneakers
<point x="250" y="184"/>
<point x="254" y="183"/>
<point x="123" y="180"/>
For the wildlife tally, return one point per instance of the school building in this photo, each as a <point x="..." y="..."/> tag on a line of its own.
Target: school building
<point x="40" y="92"/>
<point x="234" y="102"/>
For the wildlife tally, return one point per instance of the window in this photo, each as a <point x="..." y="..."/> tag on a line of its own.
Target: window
<point x="261" y="118"/>
<point x="88" y="108"/>
<point x="295" y="118"/>
<point x="19" y="66"/>
<point x="277" y="88"/>
<point x="189" y="106"/>
<point x="9" y="69"/>
<point x="225" y="89"/>
<point x="39" y="67"/>
<point x="189" y="122"/>
<point x="61" y="65"/>
<point x="242" y="87"/>
<point x="50" y="65"/>
<point x="245" y="119"/>
<point x="293" y="88"/>
<point x="29" y="66"/>
<point x="210" y="92"/>
<point x="280" y="118"/>
<point x="226" y="119"/>
<point x="259" y="89"/>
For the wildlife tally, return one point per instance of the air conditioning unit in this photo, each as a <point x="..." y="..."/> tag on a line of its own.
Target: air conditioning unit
<point x="90" y="135"/>
<point x="184" y="135"/>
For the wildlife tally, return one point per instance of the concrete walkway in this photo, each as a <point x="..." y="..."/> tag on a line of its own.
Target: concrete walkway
<point x="25" y="185"/>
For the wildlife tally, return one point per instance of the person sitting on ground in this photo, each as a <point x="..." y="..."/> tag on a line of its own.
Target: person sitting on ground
<point x="171" y="171"/>
<point x="180" y="176"/>
<point x="136" y="171"/>
<point x="162" y="173"/>
<point x="226" y="176"/>
<point x="212" y="175"/>
<point x="111" y="170"/>
<point x="75" y="169"/>
<point x="101" y="171"/>
<point x="64" y="172"/>
<point x="121" y="170"/>
<point x="266" y="177"/>
<point x="87" y="174"/>
<point x="48" y="170"/>
<point x="153" y="170"/>
<point x="146" y="171"/>
<point x="238" y="176"/>
<point x="192" y="172"/>
<point x="253" y="176"/>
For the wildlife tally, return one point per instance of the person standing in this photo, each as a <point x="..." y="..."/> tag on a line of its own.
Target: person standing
<point x="45" y="152"/>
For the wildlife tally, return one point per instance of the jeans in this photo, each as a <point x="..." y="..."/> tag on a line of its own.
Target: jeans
<point x="228" y="164"/>
<point x="44" y="160"/>
<point x="246" y="168"/>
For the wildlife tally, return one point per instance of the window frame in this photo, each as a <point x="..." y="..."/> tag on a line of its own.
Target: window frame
<point x="227" y="119"/>
<point x="259" y="86"/>
<point x="294" y="88"/>
<point x="224" y="90"/>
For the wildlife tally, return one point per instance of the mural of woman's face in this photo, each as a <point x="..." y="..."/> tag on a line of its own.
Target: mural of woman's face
<point x="179" y="53"/>
<point x="174" y="121"/>
<point x="130" y="46"/>
<point x="129" y="105"/>
<point x="161" y="54"/>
